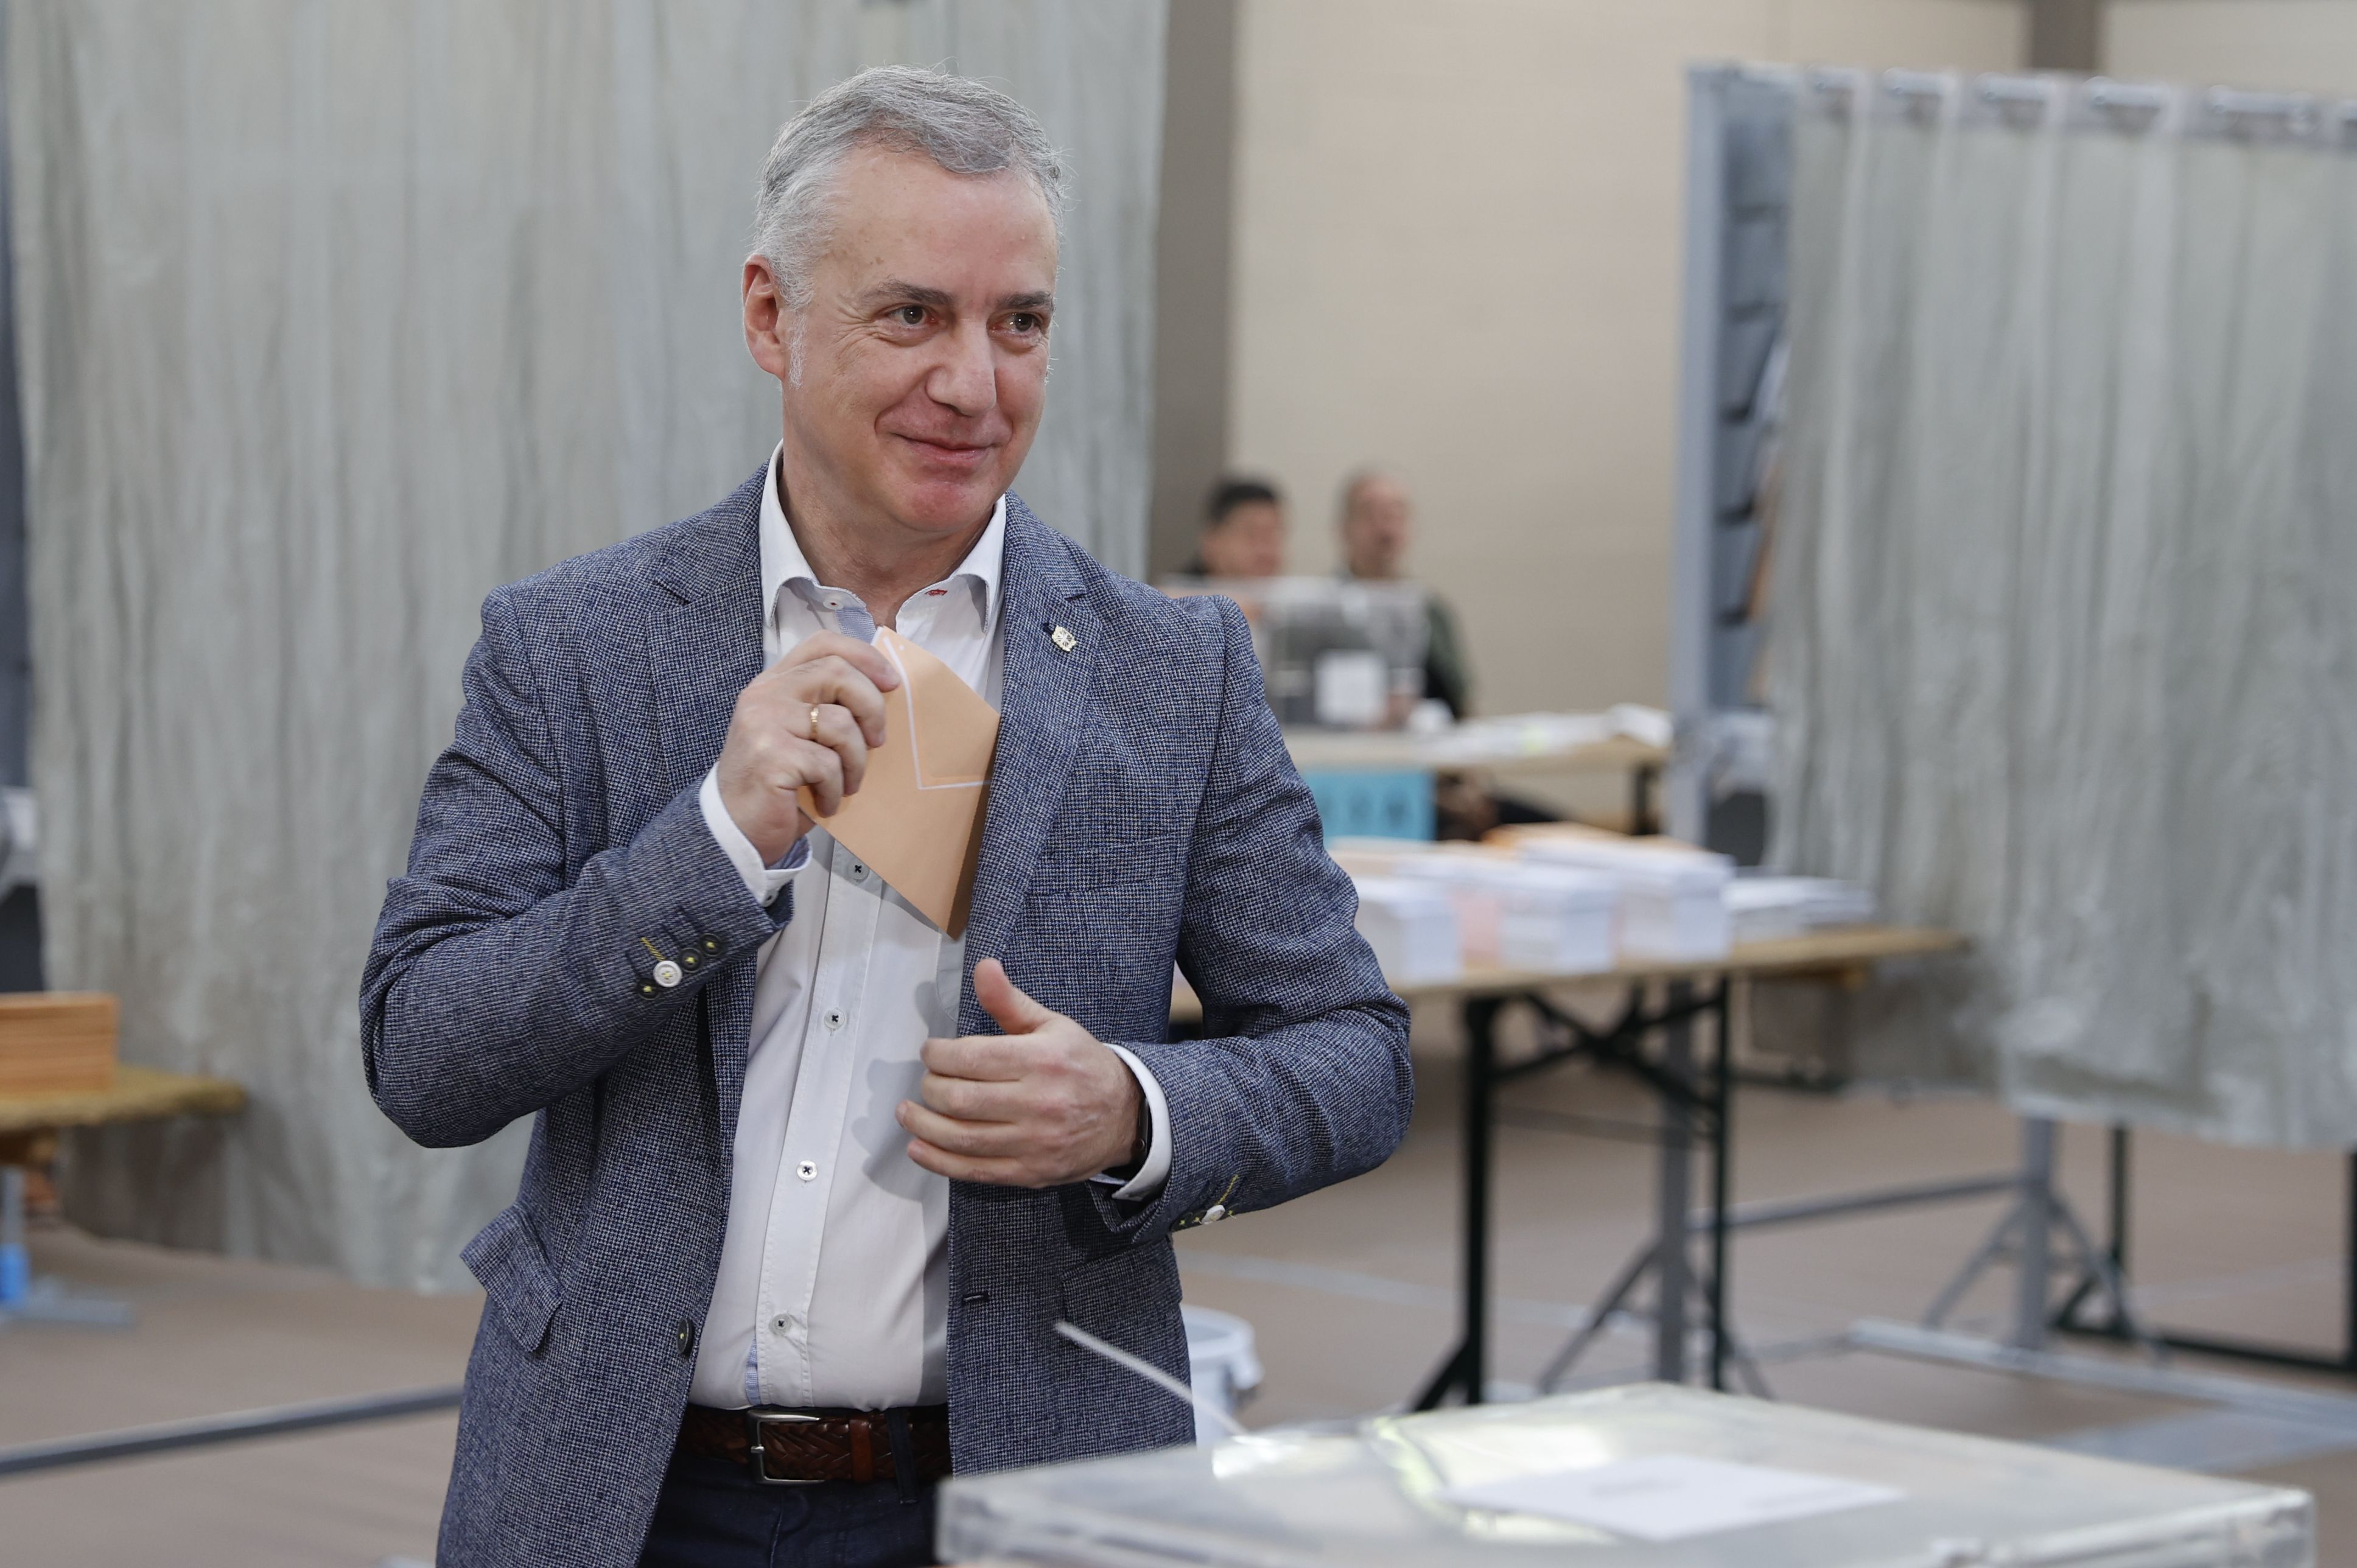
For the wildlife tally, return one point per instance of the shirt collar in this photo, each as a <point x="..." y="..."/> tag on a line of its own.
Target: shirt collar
<point x="783" y="560"/>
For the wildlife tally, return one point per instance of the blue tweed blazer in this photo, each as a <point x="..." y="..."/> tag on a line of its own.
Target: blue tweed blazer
<point x="1142" y="811"/>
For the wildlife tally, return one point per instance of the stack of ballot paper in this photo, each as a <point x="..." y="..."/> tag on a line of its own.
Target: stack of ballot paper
<point x="1516" y="914"/>
<point x="1561" y="920"/>
<point x="1472" y="882"/>
<point x="1412" y="926"/>
<point x="1775" y="908"/>
<point x="1514" y="736"/>
<point x="1673" y="896"/>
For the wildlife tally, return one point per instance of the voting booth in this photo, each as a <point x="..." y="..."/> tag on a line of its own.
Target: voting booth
<point x="1643" y="1477"/>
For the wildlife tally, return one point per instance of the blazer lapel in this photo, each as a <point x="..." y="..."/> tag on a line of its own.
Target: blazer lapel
<point x="702" y="650"/>
<point x="1044" y="717"/>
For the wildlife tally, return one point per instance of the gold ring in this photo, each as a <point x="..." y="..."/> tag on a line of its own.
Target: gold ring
<point x="814" y="708"/>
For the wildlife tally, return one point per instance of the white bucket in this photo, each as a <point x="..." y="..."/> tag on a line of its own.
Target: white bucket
<point x="1221" y="1366"/>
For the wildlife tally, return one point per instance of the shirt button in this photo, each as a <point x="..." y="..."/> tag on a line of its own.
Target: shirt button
<point x="833" y="1014"/>
<point x="667" y="975"/>
<point x="781" y="1325"/>
<point x="859" y="872"/>
<point x="808" y="1171"/>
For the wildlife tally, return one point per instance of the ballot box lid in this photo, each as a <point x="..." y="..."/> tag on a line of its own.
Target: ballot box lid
<point x="1645" y="1476"/>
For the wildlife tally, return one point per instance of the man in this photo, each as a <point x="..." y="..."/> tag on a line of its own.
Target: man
<point x="1244" y="532"/>
<point x="806" y="1169"/>
<point x="1376" y="523"/>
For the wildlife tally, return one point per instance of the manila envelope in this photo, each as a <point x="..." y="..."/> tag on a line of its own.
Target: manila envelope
<point x="916" y="819"/>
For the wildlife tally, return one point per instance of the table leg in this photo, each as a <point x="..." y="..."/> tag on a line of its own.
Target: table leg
<point x="2036" y="1212"/>
<point x="1642" y="779"/>
<point x="1722" y="1105"/>
<point x="2348" y="1275"/>
<point x="1466" y="1370"/>
<point x="1480" y="1070"/>
<point x="1671" y="1275"/>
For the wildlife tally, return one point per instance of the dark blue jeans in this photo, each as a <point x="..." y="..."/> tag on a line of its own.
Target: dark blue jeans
<point x="714" y="1514"/>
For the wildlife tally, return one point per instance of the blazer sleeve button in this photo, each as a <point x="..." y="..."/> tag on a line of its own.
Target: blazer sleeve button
<point x="647" y="988"/>
<point x="710" y="944"/>
<point x="687" y="1338"/>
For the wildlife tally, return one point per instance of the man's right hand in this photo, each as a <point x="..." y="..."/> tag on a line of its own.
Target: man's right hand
<point x="807" y="721"/>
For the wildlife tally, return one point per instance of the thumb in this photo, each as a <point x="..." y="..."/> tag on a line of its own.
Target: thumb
<point x="1016" y="1014"/>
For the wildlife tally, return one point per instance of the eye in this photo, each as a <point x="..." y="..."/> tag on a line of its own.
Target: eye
<point x="908" y="315"/>
<point x="1025" y="324"/>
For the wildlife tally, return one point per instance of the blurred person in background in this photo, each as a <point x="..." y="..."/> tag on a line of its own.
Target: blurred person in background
<point x="1377" y="522"/>
<point x="1244" y="531"/>
<point x="811" y="1180"/>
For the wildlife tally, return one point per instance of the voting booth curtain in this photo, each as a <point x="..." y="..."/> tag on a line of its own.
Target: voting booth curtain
<point x="2064" y="597"/>
<point x="333" y="318"/>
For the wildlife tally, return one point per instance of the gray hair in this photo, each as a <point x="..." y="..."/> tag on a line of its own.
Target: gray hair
<point x="962" y="125"/>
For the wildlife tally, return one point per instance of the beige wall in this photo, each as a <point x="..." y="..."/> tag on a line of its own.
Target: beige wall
<point x="2307" y="45"/>
<point x="1457" y="253"/>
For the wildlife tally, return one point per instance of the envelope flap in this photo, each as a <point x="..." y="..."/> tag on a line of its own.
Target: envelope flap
<point x="918" y="814"/>
<point x="951" y="731"/>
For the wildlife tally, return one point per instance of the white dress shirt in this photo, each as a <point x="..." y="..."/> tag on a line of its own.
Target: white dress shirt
<point x="833" y="1283"/>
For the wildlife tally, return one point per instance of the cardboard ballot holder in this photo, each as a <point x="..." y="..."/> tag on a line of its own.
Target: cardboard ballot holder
<point x="916" y="817"/>
<point x="1646" y="1477"/>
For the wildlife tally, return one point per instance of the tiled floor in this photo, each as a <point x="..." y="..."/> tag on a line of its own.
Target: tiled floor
<point x="1350" y="1293"/>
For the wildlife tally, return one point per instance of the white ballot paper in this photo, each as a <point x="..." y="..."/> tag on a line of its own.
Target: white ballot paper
<point x="1669" y="1496"/>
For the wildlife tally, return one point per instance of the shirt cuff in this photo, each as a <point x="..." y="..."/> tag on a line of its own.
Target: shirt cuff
<point x="1156" y="1168"/>
<point x="763" y="882"/>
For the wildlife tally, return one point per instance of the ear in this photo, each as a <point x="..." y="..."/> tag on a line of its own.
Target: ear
<point x="769" y="325"/>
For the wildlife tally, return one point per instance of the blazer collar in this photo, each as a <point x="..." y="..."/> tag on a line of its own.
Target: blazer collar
<point x="1046" y="713"/>
<point x="718" y="550"/>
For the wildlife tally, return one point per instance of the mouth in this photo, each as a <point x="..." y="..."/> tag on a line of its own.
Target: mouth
<point x="959" y="452"/>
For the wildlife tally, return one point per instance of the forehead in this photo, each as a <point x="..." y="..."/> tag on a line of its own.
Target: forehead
<point x="898" y="214"/>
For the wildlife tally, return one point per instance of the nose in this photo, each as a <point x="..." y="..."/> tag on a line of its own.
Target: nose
<point x="967" y="378"/>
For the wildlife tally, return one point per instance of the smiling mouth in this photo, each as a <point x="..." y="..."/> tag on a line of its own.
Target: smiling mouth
<point x="954" y="449"/>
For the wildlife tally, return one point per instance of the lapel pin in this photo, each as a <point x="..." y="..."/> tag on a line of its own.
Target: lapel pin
<point x="1063" y="639"/>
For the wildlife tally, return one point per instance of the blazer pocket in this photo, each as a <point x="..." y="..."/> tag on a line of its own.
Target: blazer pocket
<point x="521" y="1288"/>
<point x="1128" y="1298"/>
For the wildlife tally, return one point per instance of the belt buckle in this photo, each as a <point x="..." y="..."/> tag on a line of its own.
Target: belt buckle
<point x="754" y="1416"/>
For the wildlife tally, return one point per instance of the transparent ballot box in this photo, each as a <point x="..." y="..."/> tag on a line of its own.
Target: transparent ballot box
<point x="1649" y="1476"/>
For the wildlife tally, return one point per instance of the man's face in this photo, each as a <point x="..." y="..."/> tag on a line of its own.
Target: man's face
<point x="915" y="377"/>
<point x="1248" y="543"/>
<point x="1375" y="529"/>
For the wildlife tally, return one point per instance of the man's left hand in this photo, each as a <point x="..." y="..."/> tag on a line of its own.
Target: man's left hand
<point x="1042" y="1105"/>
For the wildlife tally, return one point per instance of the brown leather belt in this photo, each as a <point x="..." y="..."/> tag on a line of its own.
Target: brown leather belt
<point x="798" y="1446"/>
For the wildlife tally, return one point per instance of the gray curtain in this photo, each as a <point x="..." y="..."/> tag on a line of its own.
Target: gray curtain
<point x="334" y="317"/>
<point x="2065" y="603"/>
